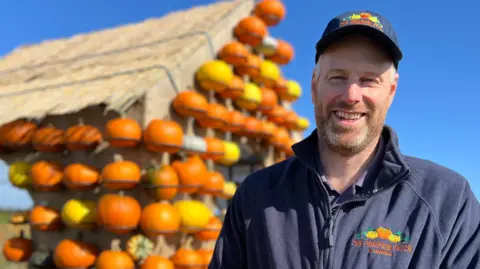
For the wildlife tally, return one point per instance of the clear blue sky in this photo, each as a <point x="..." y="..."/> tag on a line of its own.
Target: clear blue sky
<point x="436" y="110"/>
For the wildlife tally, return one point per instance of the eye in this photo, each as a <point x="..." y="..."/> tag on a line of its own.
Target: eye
<point x="336" y="78"/>
<point x="368" y="81"/>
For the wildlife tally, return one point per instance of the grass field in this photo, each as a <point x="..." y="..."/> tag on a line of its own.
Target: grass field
<point x="7" y="231"/>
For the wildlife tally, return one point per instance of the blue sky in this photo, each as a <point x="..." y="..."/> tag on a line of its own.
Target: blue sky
<point x="435" y="112"/>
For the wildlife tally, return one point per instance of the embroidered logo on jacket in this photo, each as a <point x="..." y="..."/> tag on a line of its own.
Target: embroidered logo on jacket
<point x="383" y="241"/>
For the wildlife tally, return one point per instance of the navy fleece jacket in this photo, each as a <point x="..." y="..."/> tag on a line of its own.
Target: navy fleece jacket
<point x="417" y="215"/>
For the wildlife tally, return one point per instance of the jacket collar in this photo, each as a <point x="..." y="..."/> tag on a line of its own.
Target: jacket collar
<point x="393" y="164"/>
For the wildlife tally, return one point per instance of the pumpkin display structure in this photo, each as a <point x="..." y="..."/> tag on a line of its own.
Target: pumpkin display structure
<point x="280" y="86"/>
<point x="189" y="103"/>
<point x="215" y="118"/>
<point x="46" y="176"/>
<point x="269" y="99"/>
<point x="80" y="214"/>
<point x="74" y="254"/>
<point x="79" y="176"/>
<point x="251" y="97"/>
<point x="118" y="213"/>
<point x="123" y="133"/>
<point x="235" y="122"/>
<point x="284" y="53"/>
<point x="253" y="127"/>
<point x="268" y="129"/>
<point x="215" y="148"/>
<point x="251" y="30"/>
<point x="18" y="249"/>
<point x="234" y="53"/>
<point x="268" y="47"/>
<point x="162" y="180"/>
<point x="269" y="74"/>
<point x="163" y="136"/>
<point x="277" y="115"/>
<point x="291" y="119"/>
<point x="19" y="174"/>
<point x="250" y="68"/>
<point x="191" y="174"/>
<point x="17" y="134"/>
<point x="82" y="137"/>
<point x="270" y="12"/>
<point x="186" y="257"/>
<point x="45" y="218"/>
<point x="160" y="218"/>
<point x="280" y="139"/>
<point x="114" y="258"/>
<point x="235" y="90"/>
<point x="214" y="75"/>
<point x="49" y="139"/>
<point x="121" y="174"/>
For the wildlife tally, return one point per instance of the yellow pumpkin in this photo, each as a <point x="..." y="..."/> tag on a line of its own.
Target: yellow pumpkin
<point x="231" y="154"/>
<point x="251" y="97"/>
<point x="229" y="189"/>
<point x="302" y="123"/>
<point x="79" y="213"/>
<point x="194" y="215"/>
<point x="215" y="75"/>
<point x="269" y="74"/>
<point x="294" y="91"/>
<point x="19" y="174"/>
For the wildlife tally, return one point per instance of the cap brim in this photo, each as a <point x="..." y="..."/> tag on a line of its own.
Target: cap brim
<point x="376" y="35"/>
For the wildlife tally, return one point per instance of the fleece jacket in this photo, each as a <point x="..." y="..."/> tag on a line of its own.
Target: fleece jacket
<point x="417" y="214"/>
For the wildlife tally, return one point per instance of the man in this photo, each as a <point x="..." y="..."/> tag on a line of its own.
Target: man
<point x="349" y="198"/>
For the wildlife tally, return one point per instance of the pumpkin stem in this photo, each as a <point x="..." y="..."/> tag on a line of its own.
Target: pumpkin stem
<point x="21" y="234"/>
<point x="187" y="244"/>
<point x="121" y="193"/>
<point x="259" y="115"/>
<point x="211" y="97"/>
<point x="103" y="146"/>
<point x="154" y="163"/>
<point x="246" y="78"/>
<point x="118" y="157"/>
<point x="228" y="136"/>
<point x="210" y="165"/>
<point x="283" y="155"/>
<point x="96" y="190"/>
<point x="50" y="125"/>
<point x="80" y="121"/>
<point x="190" y="126"/>
<point x="115" y="245"/>
<point x="165" y="158"/>
<point x="229" y="104"/>
<point x="210" y="132"/>
<point x="160" y="246"/>
<point x="31" y="157"/>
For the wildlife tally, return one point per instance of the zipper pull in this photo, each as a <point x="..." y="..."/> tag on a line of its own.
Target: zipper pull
<point x="330" y="233"/>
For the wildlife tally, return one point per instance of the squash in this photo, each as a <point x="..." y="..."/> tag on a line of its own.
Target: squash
<point x="206" y="255"/>
<point x="193" y="145"/>
<point x="191" y="173"/>
<point x="284" y="53"/>
<point x="214" y="75"/>
<point x="162" y="181"/>
<point x="235" y="122"/>
<point x="18" y="249"/>
<point x="251" y="97"/>
<point x="270" y="12"/>
<point x="139" y="247"/>
<point x="268" y="129"/>
<point x="186" y="257"/>
<point x="79" y="214"/>
<point x="280" y="86"/>
<point x="121" y="174"/>
<point x="269" y="99"/>
<point x="211" y="231"/>
<point x="291" y="119"/>
<point x="253" y="127"/>
<point x="45" y="218"/>
<point x="233" y="53"/>
<point x="114" y="258"/>
<point x="194" y="215"/>
<point x="235" y="90"/>
<point x="118" y="213"/>
<point x="163" y="136"/>
<point x="213" y="183"/>
<point x="159" y="257"/>
<point x="82" y="137"/>
<point x="216" y="116"/>
<point x="215" y="148"/>
<point x="229" y="189"/>
<point x="70" y="254"/>
<point x="280" y="139"/>
<point x="46" y="176"/>
<point x="49" y="139"/>
<point x="250" y="30"/>
<point x="19" y="174"/>
<point x="277" y="115"/>
<point x="250" y="68"/>
<point x="123" y="132"/>
<point x="160" y="218"/>
<point x="189" y="103"/>
<point x="302" y="124"/>
<point x="294" y="91"/>
<point x="79" y="176"/>
<point x="232" y="153"/>
<point x="269" y="74"/>
<point x="17" y="134"/>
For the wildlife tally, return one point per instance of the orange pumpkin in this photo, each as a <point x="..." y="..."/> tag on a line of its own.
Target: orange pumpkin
<point x="118" y="213"/>
<point x="114" y="258"/>
<point x="74" y="254"/>
<point x="234" y="53"/>
<point x="157" y="262"/>
<point x="44" y="218"/>
<point x="211" y="230"/>
<point x="280" y="139"/>
<point x="253" y="127"/>
<point x="236" y="122"/>
<point x="187" y="258"/>
<point x="250" y="68"/>
<point x="268" y="129"/>
<point x="46" y="176"/>
<point x="269" y="99"/>
<point x="251" y="30"/>
<point x="206" y="255"/>
<point x="18" y="249"/>
<point x="123" y="133"/>
<point x="79" y="176"/>
<point x="283" y="54"/>
<point x="49" y="139"/>
<point x="281" y="86"/>
<point x="213" y="183"/>
<point x="82" y="137"/>
<point x="17" y="134"/>
<point x="121" y="174"/>
<point x="215" y="117"/>
<point x="383" y="233"/>
<point x="191" y="174"/>
<point x="160" y="218"/>
<point x="215" y="148"/>
<point x="163" y="182"/>
<point x="270" y="12"/>
<point x="163" y="136"/>
<point x="277" y="115"/>
<point x="189" y="103"/>
<point x="236" y="89"/>
<point x="291" y="119"/>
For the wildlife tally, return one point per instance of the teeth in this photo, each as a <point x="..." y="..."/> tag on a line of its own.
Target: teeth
<point x="348" y="115"/>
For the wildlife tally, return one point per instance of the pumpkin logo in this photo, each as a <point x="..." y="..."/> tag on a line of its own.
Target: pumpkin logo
<point x="384" y="234"/>
<point x="382" y="241"/>
<point x="363" y="18"/>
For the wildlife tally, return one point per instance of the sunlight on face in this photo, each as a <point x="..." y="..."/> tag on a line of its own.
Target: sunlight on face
<point x="352" y="89"/>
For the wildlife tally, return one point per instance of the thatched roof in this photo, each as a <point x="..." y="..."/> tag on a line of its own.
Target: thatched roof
<point x="111" y="66"/>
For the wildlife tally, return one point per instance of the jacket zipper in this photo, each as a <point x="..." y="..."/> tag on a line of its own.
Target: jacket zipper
<point x="332" y="216"/>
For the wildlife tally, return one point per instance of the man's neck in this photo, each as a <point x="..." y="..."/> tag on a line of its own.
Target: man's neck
<point x="342" y="171"/>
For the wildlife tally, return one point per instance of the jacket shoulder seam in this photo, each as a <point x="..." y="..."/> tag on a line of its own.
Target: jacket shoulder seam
<point x="435" y="218"/>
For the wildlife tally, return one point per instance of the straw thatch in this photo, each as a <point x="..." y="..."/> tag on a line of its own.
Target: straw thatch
<point x="111" y="66"/>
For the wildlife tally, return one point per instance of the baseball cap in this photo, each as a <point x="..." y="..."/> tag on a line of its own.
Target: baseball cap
<point x="370" y="24"/>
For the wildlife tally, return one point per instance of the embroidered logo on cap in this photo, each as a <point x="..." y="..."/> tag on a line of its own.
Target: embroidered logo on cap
<point x="362" y="19"/>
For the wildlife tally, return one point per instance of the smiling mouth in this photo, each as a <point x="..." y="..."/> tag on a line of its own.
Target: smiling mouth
<point x="348" y="115"/>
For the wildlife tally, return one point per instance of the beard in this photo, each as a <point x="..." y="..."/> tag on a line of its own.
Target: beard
<point x="348" y="140"/>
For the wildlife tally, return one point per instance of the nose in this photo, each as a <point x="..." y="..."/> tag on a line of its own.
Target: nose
<point x="352" y="94"/>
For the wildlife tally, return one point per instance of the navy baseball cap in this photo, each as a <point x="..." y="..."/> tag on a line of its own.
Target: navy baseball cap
<point x="370" y="24"/>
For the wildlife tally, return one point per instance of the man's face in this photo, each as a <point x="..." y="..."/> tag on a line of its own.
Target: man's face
<point x="351" y="94"/>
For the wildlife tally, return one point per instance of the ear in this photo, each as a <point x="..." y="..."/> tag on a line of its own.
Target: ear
<point x="313" y="87"/>
<point x="393" y="89"/>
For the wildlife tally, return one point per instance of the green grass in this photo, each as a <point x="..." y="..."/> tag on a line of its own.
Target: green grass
<point x="4" y="217"/>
